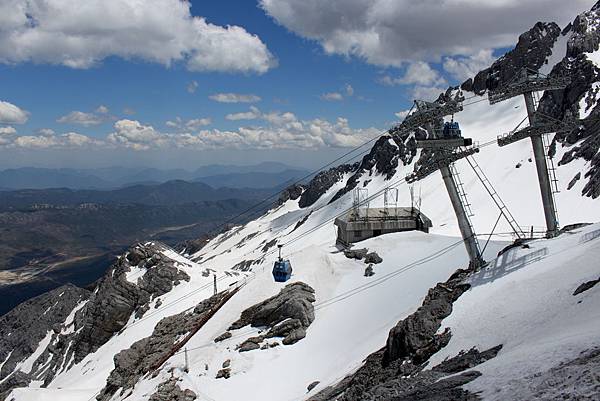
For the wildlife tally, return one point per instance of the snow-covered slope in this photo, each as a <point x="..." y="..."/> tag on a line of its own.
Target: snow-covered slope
<point x="523" y="310"/>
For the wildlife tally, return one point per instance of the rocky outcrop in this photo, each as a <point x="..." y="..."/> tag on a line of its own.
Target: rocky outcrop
<point x="116" y="299"/>
<point x="531" y="51"/>
<point x="144" y="355"/>
<point x="415" y="337"/>
<point x="23" y="329"/>
<point x="588" y="285"/>
<point x="286" y="315"/>
<point x="383" y="159"/>
<point x="322" y="182"/>
<point x="292" y="192"/>
<point x="396" y="372"/>
<point x="170" y="391"/>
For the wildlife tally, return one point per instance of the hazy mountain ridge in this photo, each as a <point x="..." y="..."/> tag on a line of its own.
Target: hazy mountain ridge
<point x="465" y="337"/>
<point x="115" y="177"/>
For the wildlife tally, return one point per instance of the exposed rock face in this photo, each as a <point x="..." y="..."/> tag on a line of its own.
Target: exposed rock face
<point x="116" y="298"/>
<point x="145" y="354"/>
<point x="292" y="192"/>
<point x="170" y="391"/>
<point x="396" y="371"/>
<point x="383" y="159"/>
<point x="322" y="182"/>
<point x="357" y="254"/>
<point x="415" y="337"/>
<point x="531" y="51"/>
<point x="287" y="315"/>
<point x="23" y="328"/>
<point x="294" y="301"/>
<point x="586" y="286"/>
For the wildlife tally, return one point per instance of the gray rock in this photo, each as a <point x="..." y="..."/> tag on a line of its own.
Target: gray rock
<point x="226" y="364"/>
<point x="357" y="254"/>
<point x="373" y="258"/>
<point x="223" y="337"/>
<point x="467" y="360"/>
<point x="250" y="344"/>
<point x="170" y="391"/>
<point x="322" y="182"/>
<point x="586" y="286"/>
<point x="223" y="374"/>
<point x="23" y="328"/>
<point x="294" y="336"/>
<point x="312" y="385"/>
<point x="294" y="301"/>
<point x="146" y="354"/>
<point x="369" y="271"/>
<point x="292" y="192"/>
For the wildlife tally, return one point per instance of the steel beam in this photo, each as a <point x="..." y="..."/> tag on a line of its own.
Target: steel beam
<point x="542" y="172"/>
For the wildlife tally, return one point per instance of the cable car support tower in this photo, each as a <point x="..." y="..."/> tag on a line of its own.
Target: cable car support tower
<point x="526" y="83"/>
<point x="445" y="151"/>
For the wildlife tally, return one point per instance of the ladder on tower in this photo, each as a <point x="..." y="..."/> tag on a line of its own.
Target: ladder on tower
<point x="463" y="196"/>
<point x="461" y="190"/>
<point x="551" y="174"/>
<point x="496" y="198"/>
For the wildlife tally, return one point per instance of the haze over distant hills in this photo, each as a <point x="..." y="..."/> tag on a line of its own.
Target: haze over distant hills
<point x="263" y="175"/>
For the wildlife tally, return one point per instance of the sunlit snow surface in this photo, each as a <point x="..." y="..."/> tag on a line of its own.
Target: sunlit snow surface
<point x="531" y="311"/>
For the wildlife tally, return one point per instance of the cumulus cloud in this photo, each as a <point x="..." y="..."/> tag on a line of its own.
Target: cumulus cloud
<point x="11" y="114"/>
<point x="332" y="96"/>
<point x="252" y="114"/>
<point x="193" y="124"/>
<point x="81" y="118"/>
<point x="132" y="134"/>
<point x="70" y="140"/>
<point x="7" y="131"/>
<point x="463" y="68"/>
<point x="102" y="109"/>
<point x="393" y="32"/>
<point x="417" y="73"/>
<point x="81" y="34"/>
<point x="234" y="98"/>
<point x="192" y="87"/>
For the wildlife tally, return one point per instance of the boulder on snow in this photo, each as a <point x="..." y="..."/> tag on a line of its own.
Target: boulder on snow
<point x="357" y="254"/>
<point x="373" y="258"/>
<point x="369" y="271"/>
<point x="224" y="373"/>
<point x="170" y="391"/>
<point x="586" y="286"/>
<point x="294" y="301"/>
<point x="223" y="337"/>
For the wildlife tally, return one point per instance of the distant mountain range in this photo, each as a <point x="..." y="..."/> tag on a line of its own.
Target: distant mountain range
<point x="263" y="175"/>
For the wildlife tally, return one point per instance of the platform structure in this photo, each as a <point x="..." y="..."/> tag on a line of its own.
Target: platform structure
<point x="373" y="222"/>
<point x="444" y="150"/>
<point x="526" y="83"/>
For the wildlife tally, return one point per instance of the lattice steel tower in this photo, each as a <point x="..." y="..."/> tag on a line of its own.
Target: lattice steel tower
<point x="446" y="149"/>
<point x="525" y="83"/>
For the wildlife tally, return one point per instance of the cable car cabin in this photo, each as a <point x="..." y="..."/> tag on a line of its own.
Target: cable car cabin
<point x="451" y="130"/>
<point x="282" y="271"/>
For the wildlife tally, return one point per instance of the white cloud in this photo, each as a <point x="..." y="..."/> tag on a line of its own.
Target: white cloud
<point x="234" y="98"/>
<point x="82" y="34"/>
<point x="7" y="131"/>
<point x="417" y="73"/>
<point x="253" y="114"/>
<point x="46" y="132"/>
<point x="463" y="68"/>
<point x="402" y="114"/>
<point x="332" y="96"/>
<point x="132" y="134"/>
<point x="349" y="90"/>
<point x="102" y="109"/>
<point x="11" y="114"/>
<point x="194" y="124"/>
<point x="393" y="32"/>
<point x="70" y="140"/>
<point x="192" y="87"/>
<point x="81" y="118"/>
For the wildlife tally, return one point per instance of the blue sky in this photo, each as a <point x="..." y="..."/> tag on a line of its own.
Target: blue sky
<point x="84" y="86"/>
